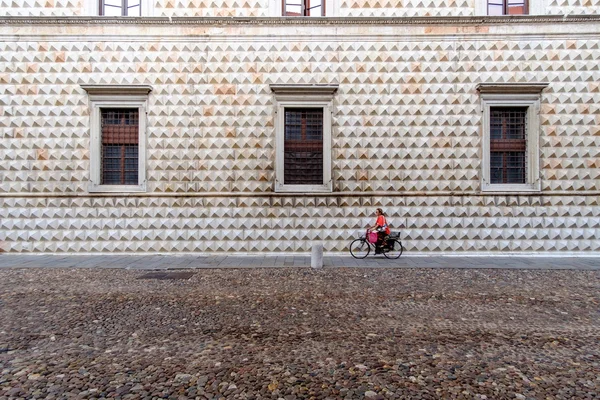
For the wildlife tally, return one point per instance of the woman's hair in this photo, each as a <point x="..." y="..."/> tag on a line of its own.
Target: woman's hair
<point x="381" y="211"/>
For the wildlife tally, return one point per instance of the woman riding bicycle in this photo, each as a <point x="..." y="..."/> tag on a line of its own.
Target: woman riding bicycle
<point x="386" y="242"/>
<point x="381" y="227"/>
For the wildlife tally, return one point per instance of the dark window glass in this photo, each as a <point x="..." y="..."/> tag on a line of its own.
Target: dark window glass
<point x="303" y="146"/>
<point x="120" y="141"/>
<point x="515" y="167"/>
<point x="508" y="144"/>
<point x="303" y="8"/>
<point x="508" y="7"/>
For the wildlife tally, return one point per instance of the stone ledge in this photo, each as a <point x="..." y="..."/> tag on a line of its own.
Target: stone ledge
<point x="117" y="90"/>
<point x="232" y="21"/>
<point x="299" y="89"/>
<point x="276" y="195"/>
<point x="512" y="88"/>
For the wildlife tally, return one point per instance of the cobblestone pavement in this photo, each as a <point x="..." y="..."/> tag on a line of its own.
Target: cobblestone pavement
<point x="296" y="333"/>
<point x="176" y="261"/>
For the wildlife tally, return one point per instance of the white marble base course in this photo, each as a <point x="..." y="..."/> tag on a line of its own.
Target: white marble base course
<point x="246" y="225"/>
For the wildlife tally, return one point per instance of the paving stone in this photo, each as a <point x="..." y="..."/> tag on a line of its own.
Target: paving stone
<point x="297" y="333"/>
<point x="150" y="262"/>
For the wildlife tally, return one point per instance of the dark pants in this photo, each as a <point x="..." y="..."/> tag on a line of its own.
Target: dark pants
<point x="380" y="237"/>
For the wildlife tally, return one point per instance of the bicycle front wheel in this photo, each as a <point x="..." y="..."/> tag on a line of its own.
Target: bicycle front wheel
<point x="359" y="248"/>
<point x="393" y="249"/>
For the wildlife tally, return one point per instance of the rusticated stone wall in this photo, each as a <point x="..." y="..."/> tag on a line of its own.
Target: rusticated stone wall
<point x="406" y="8"/>
<point x="406" y="125"/>
<point x="261" y="8"/>
<point x="406" y="116"/>
<point x="210" y="8"/>
<point x="12" y="8"/>
<point x="564" y="7"/>
<point x="448" y="224"/>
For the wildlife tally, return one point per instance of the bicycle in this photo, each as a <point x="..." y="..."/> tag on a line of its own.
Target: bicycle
<point x="391" y="248"/>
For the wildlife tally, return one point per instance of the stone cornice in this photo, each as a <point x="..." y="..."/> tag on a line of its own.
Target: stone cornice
<point x="273" y="21"/>
<point x="304" y="89"/>
<point x="117" y="89"/>
<point x="512" y="88"/>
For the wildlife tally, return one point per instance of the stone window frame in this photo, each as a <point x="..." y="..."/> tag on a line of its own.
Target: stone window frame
<point x="105" y="96"/>
<point x="331" y="9"/>
<point x="506" y="8"/>
<point x="535" y="7"/>
<point x="92" y="8"/>
<point x="303" y="96"/>
<point x="304" y="8"/>
<point x="513" y="95"/>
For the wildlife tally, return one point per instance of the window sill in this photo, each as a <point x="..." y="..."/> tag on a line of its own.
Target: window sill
<point x="280" y="188"/>
<point x="510" y="189"/>
<point x="93" y="188"/>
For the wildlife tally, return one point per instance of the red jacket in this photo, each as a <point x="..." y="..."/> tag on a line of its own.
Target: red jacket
<point x="381" y="222"/>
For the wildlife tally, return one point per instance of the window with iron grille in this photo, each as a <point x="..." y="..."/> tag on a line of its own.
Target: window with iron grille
<point x="303" y="138"/>
<point x="120" y="8"/>
<point x="120" y="138"/>
<point x="303" y="8"/>
<point x="508" y="145"/>
<point x="507" y="7"/>
<point x="511" y="124"/>
<point x="303" y="147"/>
<point x="117" y="137"/>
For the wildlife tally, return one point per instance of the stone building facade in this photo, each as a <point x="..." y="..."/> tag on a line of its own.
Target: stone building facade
<point x="406" y="95"/>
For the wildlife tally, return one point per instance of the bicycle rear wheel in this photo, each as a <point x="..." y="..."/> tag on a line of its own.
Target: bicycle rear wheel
<point x="359" y="248"/>
<point x="393" y="249"/>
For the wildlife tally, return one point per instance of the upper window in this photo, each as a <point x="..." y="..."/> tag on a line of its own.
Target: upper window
<point x="303" y="8"/>
<point x="120" y="8"/>
<point x="118" y="138"/>
<point x="510" y="136"/>
<point x="303" y="138"/>
<point x="507" y="7"/>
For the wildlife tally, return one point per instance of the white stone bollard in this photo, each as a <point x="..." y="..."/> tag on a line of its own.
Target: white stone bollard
<point x="316" y="258"/>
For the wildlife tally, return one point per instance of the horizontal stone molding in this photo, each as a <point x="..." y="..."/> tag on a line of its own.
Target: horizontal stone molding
<point x="277" y="21"/>
<point x="512" y="88"/>
<point x="117" y="90"/>
<point x="273" y="194"/>
<point x="291" y="89"/>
